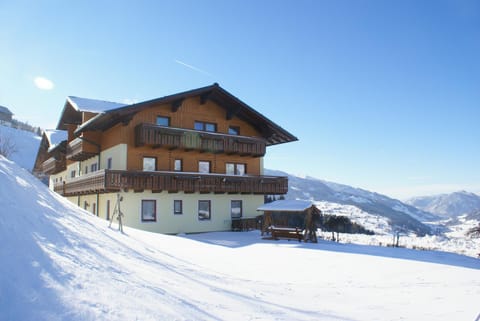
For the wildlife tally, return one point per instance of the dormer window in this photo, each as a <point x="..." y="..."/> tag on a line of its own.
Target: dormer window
<point x="163" y="121"/>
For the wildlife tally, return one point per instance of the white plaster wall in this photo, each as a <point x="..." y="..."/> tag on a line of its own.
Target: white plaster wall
<point x="118" y="153"/>
<point x="188" y="222"/>
<point x="74" y="166"/>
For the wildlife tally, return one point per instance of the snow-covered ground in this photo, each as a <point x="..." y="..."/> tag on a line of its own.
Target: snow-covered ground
<point x="59" y="262"/>
<point x="26" y="145"/>
<point x="454" y="241"/>
<point x="375" y="223"/>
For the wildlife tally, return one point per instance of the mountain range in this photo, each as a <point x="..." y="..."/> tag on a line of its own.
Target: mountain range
<point x="401" y="216"/>
<point x="448" y="205"/>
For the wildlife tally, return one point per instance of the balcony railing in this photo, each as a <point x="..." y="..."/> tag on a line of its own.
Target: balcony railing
<point x="104" y="181"/>
<point x="172" y="138"/>
<point x="79" y="150"/>
<point x="53" y="165"/>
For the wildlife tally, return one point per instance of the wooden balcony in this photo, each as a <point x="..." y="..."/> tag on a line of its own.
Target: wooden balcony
<point x="79" y="150"/>
<point x="104" y="181"/>
<point x="53" y="165"/>
<point x="173" y="138"/>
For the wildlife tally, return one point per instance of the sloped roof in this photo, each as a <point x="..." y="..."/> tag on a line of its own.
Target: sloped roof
<point x="273" y="133"/>
<point x="55" y="137"/>
<point x="5" y="110"/>
<point x="286" y="206"/>
<point x="92" y="105"/>
<point x="74" y="106"/>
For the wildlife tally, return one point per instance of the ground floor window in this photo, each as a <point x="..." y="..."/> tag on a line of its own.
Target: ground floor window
<point x="177" y="207"/>
<point x="236" y="209"/>
<point x="149" y="212"/>
<point x="204" y="210"/>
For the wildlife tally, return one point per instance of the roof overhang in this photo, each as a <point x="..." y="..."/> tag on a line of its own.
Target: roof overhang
<point x="273" y="133"/>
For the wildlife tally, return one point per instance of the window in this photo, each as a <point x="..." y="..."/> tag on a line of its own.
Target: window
<point x="85" y="205"/>
<point x="177" y="165"/>
<point x="204" y="167"/>
<point x="163" y="121"/>
<point x="234" y="130"/>
<point x="93" y="167"/>
<point x="149" y="163"/>
<point x="235" y="169"/>
<point x="208" y="127"/>
<point x="177" y="207"/>
<point x="73" y="173"/>
<point x="149" y="213"/>
<point x="236" y="209"/>
<point x="86" y="169"/>
<point x="204" y="210"/>
<point x="109" y="163"/>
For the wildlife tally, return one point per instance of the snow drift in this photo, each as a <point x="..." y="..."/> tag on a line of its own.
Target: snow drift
<point x="59" y="262"/>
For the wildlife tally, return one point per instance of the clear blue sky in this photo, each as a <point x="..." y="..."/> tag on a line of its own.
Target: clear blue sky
<point x="383" y="95"/>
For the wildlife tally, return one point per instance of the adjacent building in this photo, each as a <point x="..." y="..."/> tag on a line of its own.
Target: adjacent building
<point x="183" y="163"/>
<point x="5" y="114"/>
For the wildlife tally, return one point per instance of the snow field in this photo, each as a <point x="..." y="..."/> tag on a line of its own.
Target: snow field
<point x="61" y="263"/>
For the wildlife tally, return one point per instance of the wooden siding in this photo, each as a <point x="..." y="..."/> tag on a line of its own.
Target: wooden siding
<point x="190" y="111"/>
<point x="113" y="180"/>
<point x="79" y="150"/>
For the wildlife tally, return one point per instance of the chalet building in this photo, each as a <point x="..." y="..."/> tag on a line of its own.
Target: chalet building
<point x="51" y="153"/>
<point x="5" y="114"/>
<point x="188" y="162"/>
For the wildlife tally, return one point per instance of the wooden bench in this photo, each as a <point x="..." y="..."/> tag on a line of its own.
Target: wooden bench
<point x="286" y="233"/>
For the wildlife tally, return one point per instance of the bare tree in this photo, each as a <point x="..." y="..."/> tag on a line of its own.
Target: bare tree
<point x="7" y="145"/>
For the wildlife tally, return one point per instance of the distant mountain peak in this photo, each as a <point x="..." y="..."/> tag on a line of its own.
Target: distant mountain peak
<point x="449" y="205"/>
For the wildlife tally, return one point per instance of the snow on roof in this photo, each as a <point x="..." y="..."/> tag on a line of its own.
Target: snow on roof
<point x="55" y="137"/>
<point x="92" y="105"/>
<point x="286" y="205"/>
<point x="5" y="110"/>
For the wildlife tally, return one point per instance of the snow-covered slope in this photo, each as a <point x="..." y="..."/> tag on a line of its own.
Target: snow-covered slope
<point x="400" y="215"/>
<point x="26" y="146"/>
<point x="448" y="205"/>
<point x="59" y="262"/>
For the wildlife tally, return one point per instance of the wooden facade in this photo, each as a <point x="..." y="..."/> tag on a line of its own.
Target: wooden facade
<point x="199" y="142"/>
<point x="51" y="156"/>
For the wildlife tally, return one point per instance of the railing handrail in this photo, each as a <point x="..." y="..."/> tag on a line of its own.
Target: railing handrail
<point x="172" y="137"/>
<point x="106" y="180"/>
<point x="186" y="174"/>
